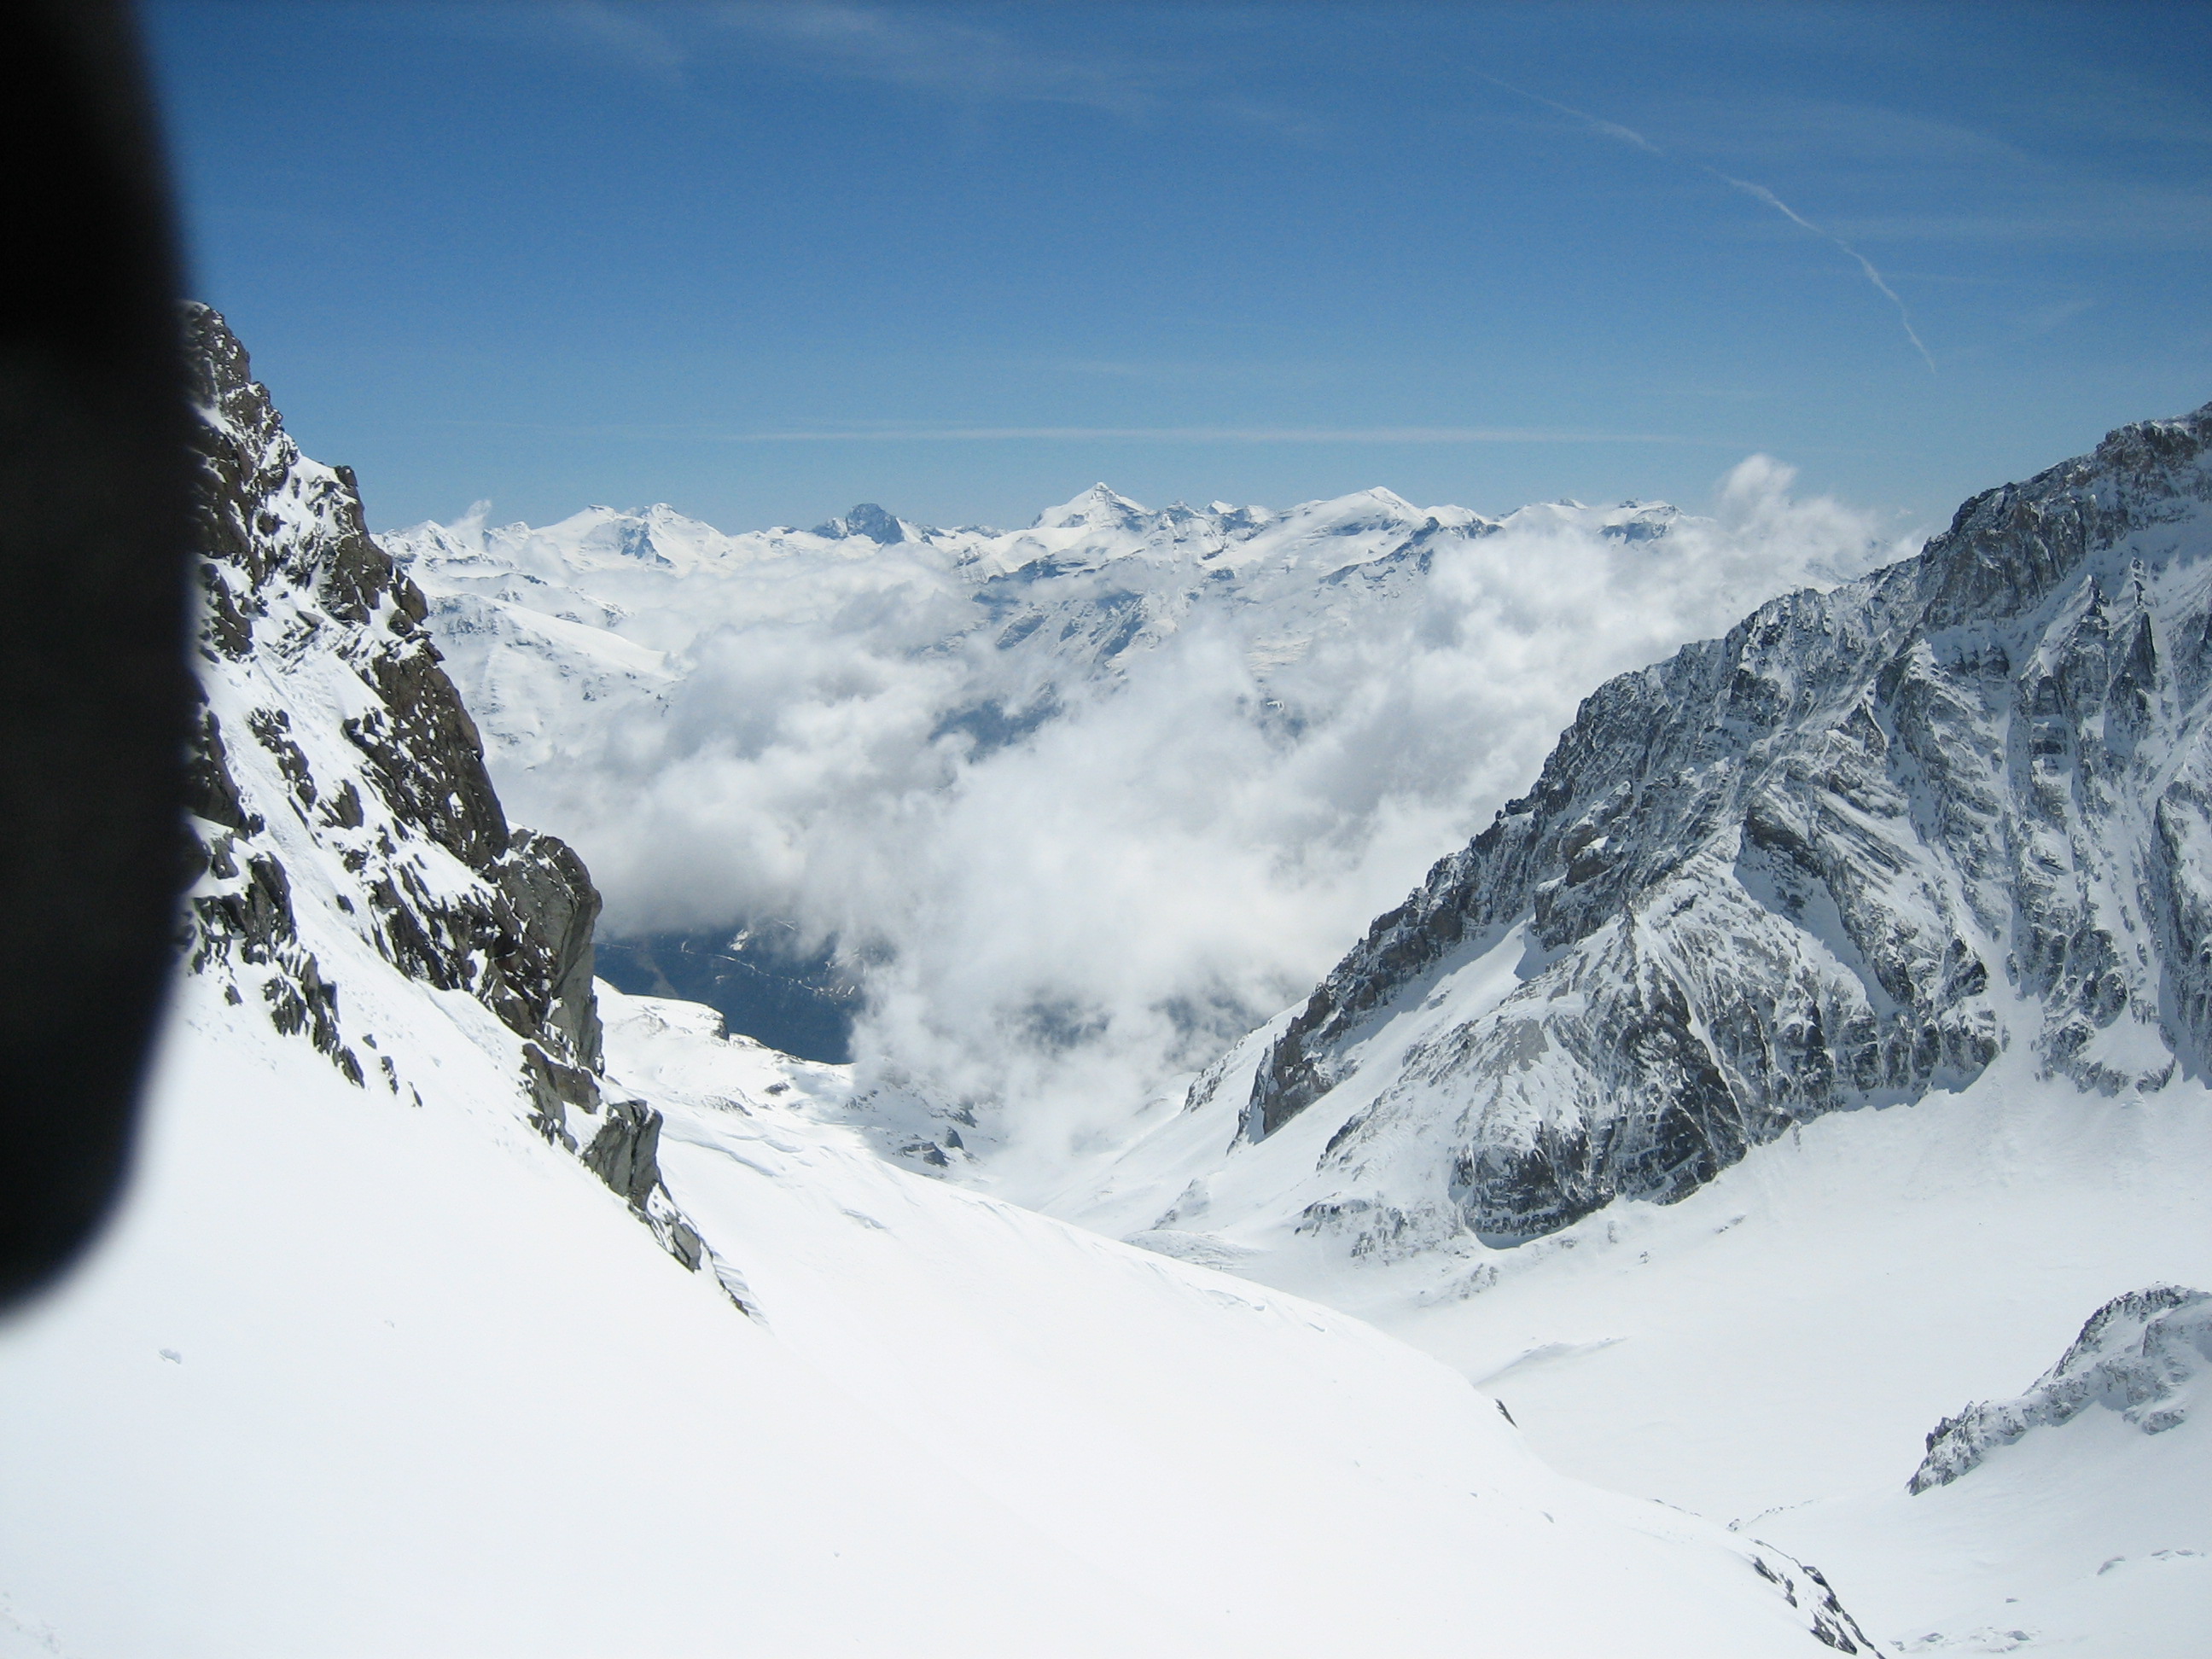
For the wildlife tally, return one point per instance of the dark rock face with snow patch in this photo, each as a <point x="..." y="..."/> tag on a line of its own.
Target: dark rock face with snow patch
<point x="1824" y="861"/>
<point x="333" y="758"/>
<point x="2139" y="1355"/>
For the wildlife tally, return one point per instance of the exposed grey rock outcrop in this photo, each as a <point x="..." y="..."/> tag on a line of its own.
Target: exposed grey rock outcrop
<point x="2141" y="1355"/>
<point x="1809" y="865"/>
<point x="364" y="757"/>
<point x="289" y="567"/>
<point x="1827" y="1618"/>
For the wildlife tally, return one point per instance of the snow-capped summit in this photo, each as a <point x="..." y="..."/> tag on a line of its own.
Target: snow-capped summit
<point x="1099" y="507"/>
<point x="871" y="521"/>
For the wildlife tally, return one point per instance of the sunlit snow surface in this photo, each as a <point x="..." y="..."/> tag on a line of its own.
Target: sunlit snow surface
<point x="1772" y="1350"/>
<point x="355" y="1377"/>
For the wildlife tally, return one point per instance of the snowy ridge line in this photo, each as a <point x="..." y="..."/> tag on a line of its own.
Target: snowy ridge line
<point x="2141" y="1355"/>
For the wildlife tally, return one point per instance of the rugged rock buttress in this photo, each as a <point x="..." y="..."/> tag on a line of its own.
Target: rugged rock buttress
<point x="1841" y="856"/>
<point x="325" y="707"/>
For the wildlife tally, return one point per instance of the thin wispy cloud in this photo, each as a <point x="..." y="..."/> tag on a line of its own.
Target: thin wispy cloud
<point x="1758" y="192"/>
<point x="965" y="62"/>
<point x="1610" y="129"/>
<point x="635" y="39"/>
<point x="626" y="33"/>
<point x="1210" y="434"/>
<point x="940" y="54"/>
<point x="2043" y="321"/>
<point x="972" y="64"/>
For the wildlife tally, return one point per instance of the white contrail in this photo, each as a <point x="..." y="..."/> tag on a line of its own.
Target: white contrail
<point x="1611" y="129"/>
<point x="1759" y="192"/>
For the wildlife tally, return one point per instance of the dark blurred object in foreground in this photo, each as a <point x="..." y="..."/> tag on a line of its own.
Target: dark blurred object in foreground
<point x="92" y="509"/>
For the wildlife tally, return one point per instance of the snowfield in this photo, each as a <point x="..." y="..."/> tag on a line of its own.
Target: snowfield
<point x="354" y="1376"/>
<point x="1773" y="1350"/>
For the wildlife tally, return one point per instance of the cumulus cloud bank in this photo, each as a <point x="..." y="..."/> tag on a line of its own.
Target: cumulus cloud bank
<point x="1080" y="805"/>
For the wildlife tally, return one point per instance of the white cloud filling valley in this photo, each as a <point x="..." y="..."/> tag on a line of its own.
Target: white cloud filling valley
<point x="1080" y="805"/>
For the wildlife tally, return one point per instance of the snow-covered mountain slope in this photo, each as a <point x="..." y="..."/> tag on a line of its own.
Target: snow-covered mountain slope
<point x="2143" y="1355"/>
<point x="378" y="1358"/>
<point x="1589" y="1116"/>
<point x="1078" y="803"/>
<point x="1142" y="1419"/>
<point x="1773" y="1349"/>
<point x="2093" y="1480"/>
<point x="1845" y="855"/>
<point x="357" y="1377"/>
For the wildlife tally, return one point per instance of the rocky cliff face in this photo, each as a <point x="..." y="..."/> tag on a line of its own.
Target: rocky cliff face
<point x="1840" y="857"/>
<point x="2140" y="1355"/>
<point x="337" y="780"/>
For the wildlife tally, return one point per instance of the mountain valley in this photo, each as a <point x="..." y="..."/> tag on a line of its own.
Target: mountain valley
<point x="1748" y="1199"/>
<point x="1857" y="939"/>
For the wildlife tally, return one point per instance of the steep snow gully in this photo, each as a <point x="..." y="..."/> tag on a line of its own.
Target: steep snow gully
<point x="1799" y="1062"/>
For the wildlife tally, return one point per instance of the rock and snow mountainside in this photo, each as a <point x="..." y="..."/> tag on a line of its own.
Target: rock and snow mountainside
<point x="1577" y="1117"/>
<point x="1841" y="857"/>
<point x="340" y="797"/>
<point x="2141" y="1354"/>
<point x="372" y="1363"/>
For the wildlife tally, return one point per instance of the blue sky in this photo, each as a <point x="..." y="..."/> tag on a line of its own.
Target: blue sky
<point x="762" y="262"/>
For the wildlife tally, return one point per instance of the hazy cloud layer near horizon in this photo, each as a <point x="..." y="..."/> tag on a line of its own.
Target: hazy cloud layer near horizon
<point x="1067" y="922"/>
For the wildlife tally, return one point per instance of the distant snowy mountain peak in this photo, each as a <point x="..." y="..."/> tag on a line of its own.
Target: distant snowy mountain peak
<point x="1099" y="507"/>
<point x="1640" y="521"/>
<point x="2144" y="1356"/>
<point x="871" y="521"/>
